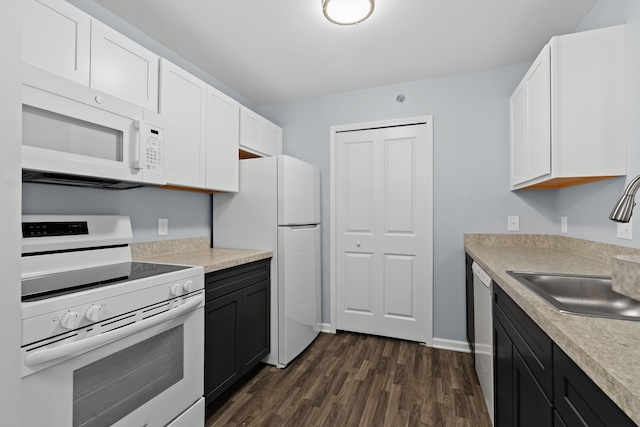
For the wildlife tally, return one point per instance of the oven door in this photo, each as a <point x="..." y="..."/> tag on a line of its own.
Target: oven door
<point x="147" y="379"/>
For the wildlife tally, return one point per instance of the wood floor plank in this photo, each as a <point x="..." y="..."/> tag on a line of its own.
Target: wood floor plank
<point x="350" y="379"/>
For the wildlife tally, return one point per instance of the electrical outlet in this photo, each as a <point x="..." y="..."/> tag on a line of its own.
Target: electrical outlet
<point x="625" y="230"/>
<point x="163" y="226"/>
<point x="513" y="223"/>
<point x="563" y="224"/>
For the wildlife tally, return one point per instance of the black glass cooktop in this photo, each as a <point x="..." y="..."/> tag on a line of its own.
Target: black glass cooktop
<point x="53" y="285"/>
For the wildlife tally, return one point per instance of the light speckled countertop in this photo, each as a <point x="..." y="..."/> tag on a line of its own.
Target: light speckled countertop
<point x="211" y="259"/>
<point x="607" y="350"/>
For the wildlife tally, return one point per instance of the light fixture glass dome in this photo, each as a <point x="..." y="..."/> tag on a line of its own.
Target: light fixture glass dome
<point x="347" y="12"/>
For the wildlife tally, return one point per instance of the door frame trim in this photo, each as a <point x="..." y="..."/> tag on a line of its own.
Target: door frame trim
<point x="333" y="130"/>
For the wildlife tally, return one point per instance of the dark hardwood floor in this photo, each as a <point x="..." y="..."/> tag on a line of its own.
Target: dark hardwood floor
<point x="351" y="379"/>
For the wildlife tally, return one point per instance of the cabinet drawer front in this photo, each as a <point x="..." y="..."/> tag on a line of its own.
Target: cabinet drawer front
<point x="579" y="401"/>
<point x="232" y="279"/>
<point x="534" y="345"/>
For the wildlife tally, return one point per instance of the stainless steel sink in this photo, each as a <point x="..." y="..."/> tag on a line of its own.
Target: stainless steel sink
<point x="583" y="295"/>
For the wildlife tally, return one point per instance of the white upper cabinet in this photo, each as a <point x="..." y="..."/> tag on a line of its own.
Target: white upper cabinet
<point x="61" y="39"/>
<point x="223" y="130"/>
<point x="258" y="135"/>
<point x="56" y="37"/>
<point x="183" y="100"/>
<point x="123" y="68"/>
<point x="568" y="113"/>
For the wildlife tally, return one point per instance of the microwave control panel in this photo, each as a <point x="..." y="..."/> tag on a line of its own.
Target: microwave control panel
<point x="151" y="149"/>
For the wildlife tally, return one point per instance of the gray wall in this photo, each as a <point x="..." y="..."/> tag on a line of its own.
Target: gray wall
<point x="189" y="213"/>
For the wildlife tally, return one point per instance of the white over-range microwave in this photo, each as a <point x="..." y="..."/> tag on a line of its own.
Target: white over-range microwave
<point x="75" y="135"/>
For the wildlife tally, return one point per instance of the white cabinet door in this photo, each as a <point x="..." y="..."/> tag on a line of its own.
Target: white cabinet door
<point x="223" y="130"/>
<point x="531" y="123"/>
<point x="123" y="68"/>
<point x="183" y="103"/>
<point x="56" y="38"/>
<point x="518" y="117"/>
<point x="250" y="131"/>
<point x="258" y="135"/>
<point x="272" y="138"/>
<point x="538" y="147"/>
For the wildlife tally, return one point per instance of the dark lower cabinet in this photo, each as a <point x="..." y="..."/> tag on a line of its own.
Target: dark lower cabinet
<point x="579" y="401"/>
<point x="531" y="407"/>
<point x="237" y="324"/>
<point x="523" y="381"/>
<point x="469" y="297"/>
<point x="222" y="344"/>
<point x="502" y="376"/>
<point x="536" y="384"/>
<point x="519" y="399"/>
<point x="255" y="321"/>
<point x="557" y="421"/>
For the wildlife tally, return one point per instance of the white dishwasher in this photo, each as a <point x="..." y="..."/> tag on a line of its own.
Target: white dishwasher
<point x="483" y="329"/>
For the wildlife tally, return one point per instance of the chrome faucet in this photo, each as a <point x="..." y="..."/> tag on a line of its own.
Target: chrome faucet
<point x="624" y="208"/>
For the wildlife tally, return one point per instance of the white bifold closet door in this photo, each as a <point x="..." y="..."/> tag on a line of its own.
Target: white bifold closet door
<point x="384" y="220"/>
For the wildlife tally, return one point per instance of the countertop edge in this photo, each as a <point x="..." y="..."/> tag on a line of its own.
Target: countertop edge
<point x="212" y="259"/>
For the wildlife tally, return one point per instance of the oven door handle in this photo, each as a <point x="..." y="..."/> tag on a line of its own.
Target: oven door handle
<point x="79" y="347"/>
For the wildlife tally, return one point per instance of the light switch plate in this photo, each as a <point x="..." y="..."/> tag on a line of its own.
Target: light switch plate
<point x="563" y="224"/>
<point x="625" y="230"/>
<point x="513" y="223"/>
<point x="163" y="226"/>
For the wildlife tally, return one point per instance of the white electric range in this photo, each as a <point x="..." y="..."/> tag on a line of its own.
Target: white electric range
<point x="106" y="340"/>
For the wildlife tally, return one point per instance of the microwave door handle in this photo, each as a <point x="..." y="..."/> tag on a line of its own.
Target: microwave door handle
<point x="137" y="156"/>
<point x="79" y="347"/>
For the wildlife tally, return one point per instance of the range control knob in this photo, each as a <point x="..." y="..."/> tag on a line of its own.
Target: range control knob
<point x="189" y="286"/>
<point x="176" y="289"/>
<point x="95" y="313"/>
<point x="70" y="320"/>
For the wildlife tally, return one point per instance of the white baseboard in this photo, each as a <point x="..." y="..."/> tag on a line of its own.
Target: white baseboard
<point x="453" y="345"/>
<point x="325" y="328"/>
<point x="439" y="343"/>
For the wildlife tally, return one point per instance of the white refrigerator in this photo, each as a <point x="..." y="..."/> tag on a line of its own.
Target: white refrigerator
<point x="277" y="208"/>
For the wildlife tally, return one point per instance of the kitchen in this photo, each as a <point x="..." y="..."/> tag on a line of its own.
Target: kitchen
<point x="477" y="152"/>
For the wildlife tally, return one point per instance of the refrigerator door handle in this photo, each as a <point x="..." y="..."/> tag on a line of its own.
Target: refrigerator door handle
<point x="305" y="226"/>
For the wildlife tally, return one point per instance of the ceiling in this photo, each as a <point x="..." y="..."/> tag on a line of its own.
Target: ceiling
<point x="282" y="50"/>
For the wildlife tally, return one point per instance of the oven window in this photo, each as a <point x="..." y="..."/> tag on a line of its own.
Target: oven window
<point x="45" y="129"/>
<point x="113" y="387"/>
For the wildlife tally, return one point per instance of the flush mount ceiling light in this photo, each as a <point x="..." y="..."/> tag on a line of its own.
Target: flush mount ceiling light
<point x="347" y="12"/>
